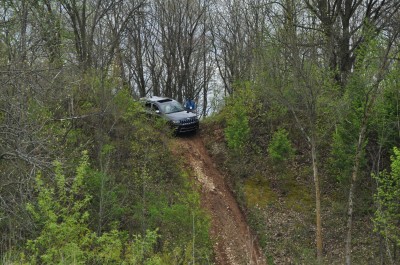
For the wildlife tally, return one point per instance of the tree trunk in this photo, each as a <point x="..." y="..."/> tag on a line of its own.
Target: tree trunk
<point x="205" y="83"/>
<point x="354" y="177"/>
<point x="23" y="32"/>
<point x="317" y="200"/>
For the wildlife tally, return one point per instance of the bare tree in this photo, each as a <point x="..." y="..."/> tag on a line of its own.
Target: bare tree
<point x="84" y="17"/>
<point x="343" y="23"/>
<point x="239" y="29"/>
<point x="48" y="16"/>
<point x="305" y="96"/>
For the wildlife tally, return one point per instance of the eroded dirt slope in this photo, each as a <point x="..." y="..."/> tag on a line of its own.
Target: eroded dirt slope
<point x="232" y="239"/>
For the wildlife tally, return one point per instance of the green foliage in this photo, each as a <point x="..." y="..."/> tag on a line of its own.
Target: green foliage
<point x="177" y="216"/>
<point x="258" y="192"/>
<point x="138" y="186"/>
<point x="299" y="197"/>
<point x="115" y="247"/>
<point x="387" y="198"/>
<point x="126" y="107"/>
<point x="238" y="111"/>
<point x="256" y="218"/>
<point x="355" y="103"/>
<point x="365" y="101"/>
<point x="280" y="148"/>
<point x="61" y="212"/>
<point x="344" y="143"/>
<point x="386" y="112"/>
<point x="237" y="130"/>
<point x="64" y="235"/>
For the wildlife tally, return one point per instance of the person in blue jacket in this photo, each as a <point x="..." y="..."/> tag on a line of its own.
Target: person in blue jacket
<point x="190" y="105"/>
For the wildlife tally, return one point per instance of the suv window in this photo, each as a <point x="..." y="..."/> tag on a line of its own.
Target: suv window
<point x="151" y="106"/>
<point x="165" y="100"/>
<point x="171" y="107"/>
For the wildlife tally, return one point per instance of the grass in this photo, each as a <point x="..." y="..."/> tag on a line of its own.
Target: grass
<point x="299" y="197"/>
<point x="258" y="192"/>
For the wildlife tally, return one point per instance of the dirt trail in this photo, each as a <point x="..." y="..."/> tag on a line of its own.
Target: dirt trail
<point x="231" y="236"/>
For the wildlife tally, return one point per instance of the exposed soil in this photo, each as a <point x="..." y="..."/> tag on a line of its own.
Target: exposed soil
<point x="233" y="241"/>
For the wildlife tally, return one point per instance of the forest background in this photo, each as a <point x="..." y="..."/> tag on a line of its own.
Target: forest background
<point x="306" y="93"/>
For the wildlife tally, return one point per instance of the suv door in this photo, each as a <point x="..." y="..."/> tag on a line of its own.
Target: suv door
<point x="151" y="108"/>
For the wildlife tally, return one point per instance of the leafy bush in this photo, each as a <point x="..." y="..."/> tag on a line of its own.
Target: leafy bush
<point x="61" y="213"/>
<point x="387" y="197"/>
<point x="280" y="148"/>
<point x="237" y="130"/>
<point x="238" y="110"/>
<point x="342" y="153"/>
<point x="64" y="235"/>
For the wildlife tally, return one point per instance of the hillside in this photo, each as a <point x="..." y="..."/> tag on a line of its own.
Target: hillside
<point x="279" y="206"/>
<point x="299" y="109"/>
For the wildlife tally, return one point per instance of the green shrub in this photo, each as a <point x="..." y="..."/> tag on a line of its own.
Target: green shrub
<point x="343" y="148"/>
<point x="237" y="113"/>
<point x="387" y="197"/>
<point x="61" y="214"/>
<point x="237" y="130"/>
<point x="280" y="148"/>
<point x="64" y="235"/>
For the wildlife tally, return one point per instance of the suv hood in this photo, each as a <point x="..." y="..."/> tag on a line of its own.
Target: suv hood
<point x="176" y="116"/>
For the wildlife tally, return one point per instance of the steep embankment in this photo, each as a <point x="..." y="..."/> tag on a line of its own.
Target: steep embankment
<point x="232" y="240"/>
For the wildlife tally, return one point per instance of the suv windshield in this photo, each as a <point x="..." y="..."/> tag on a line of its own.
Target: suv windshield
<point x="171" y="106"/>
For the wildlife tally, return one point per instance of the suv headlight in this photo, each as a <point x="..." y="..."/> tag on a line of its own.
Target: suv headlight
<point x="176" y="122"/>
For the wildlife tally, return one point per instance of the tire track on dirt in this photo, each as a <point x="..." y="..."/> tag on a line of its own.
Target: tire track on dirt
<point x="232" y="240"/>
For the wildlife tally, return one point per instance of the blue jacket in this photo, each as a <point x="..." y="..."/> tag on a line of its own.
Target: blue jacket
<point x="190" y="104"/>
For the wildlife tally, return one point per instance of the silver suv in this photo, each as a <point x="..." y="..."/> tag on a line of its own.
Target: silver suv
<point x="172" y="111"/>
